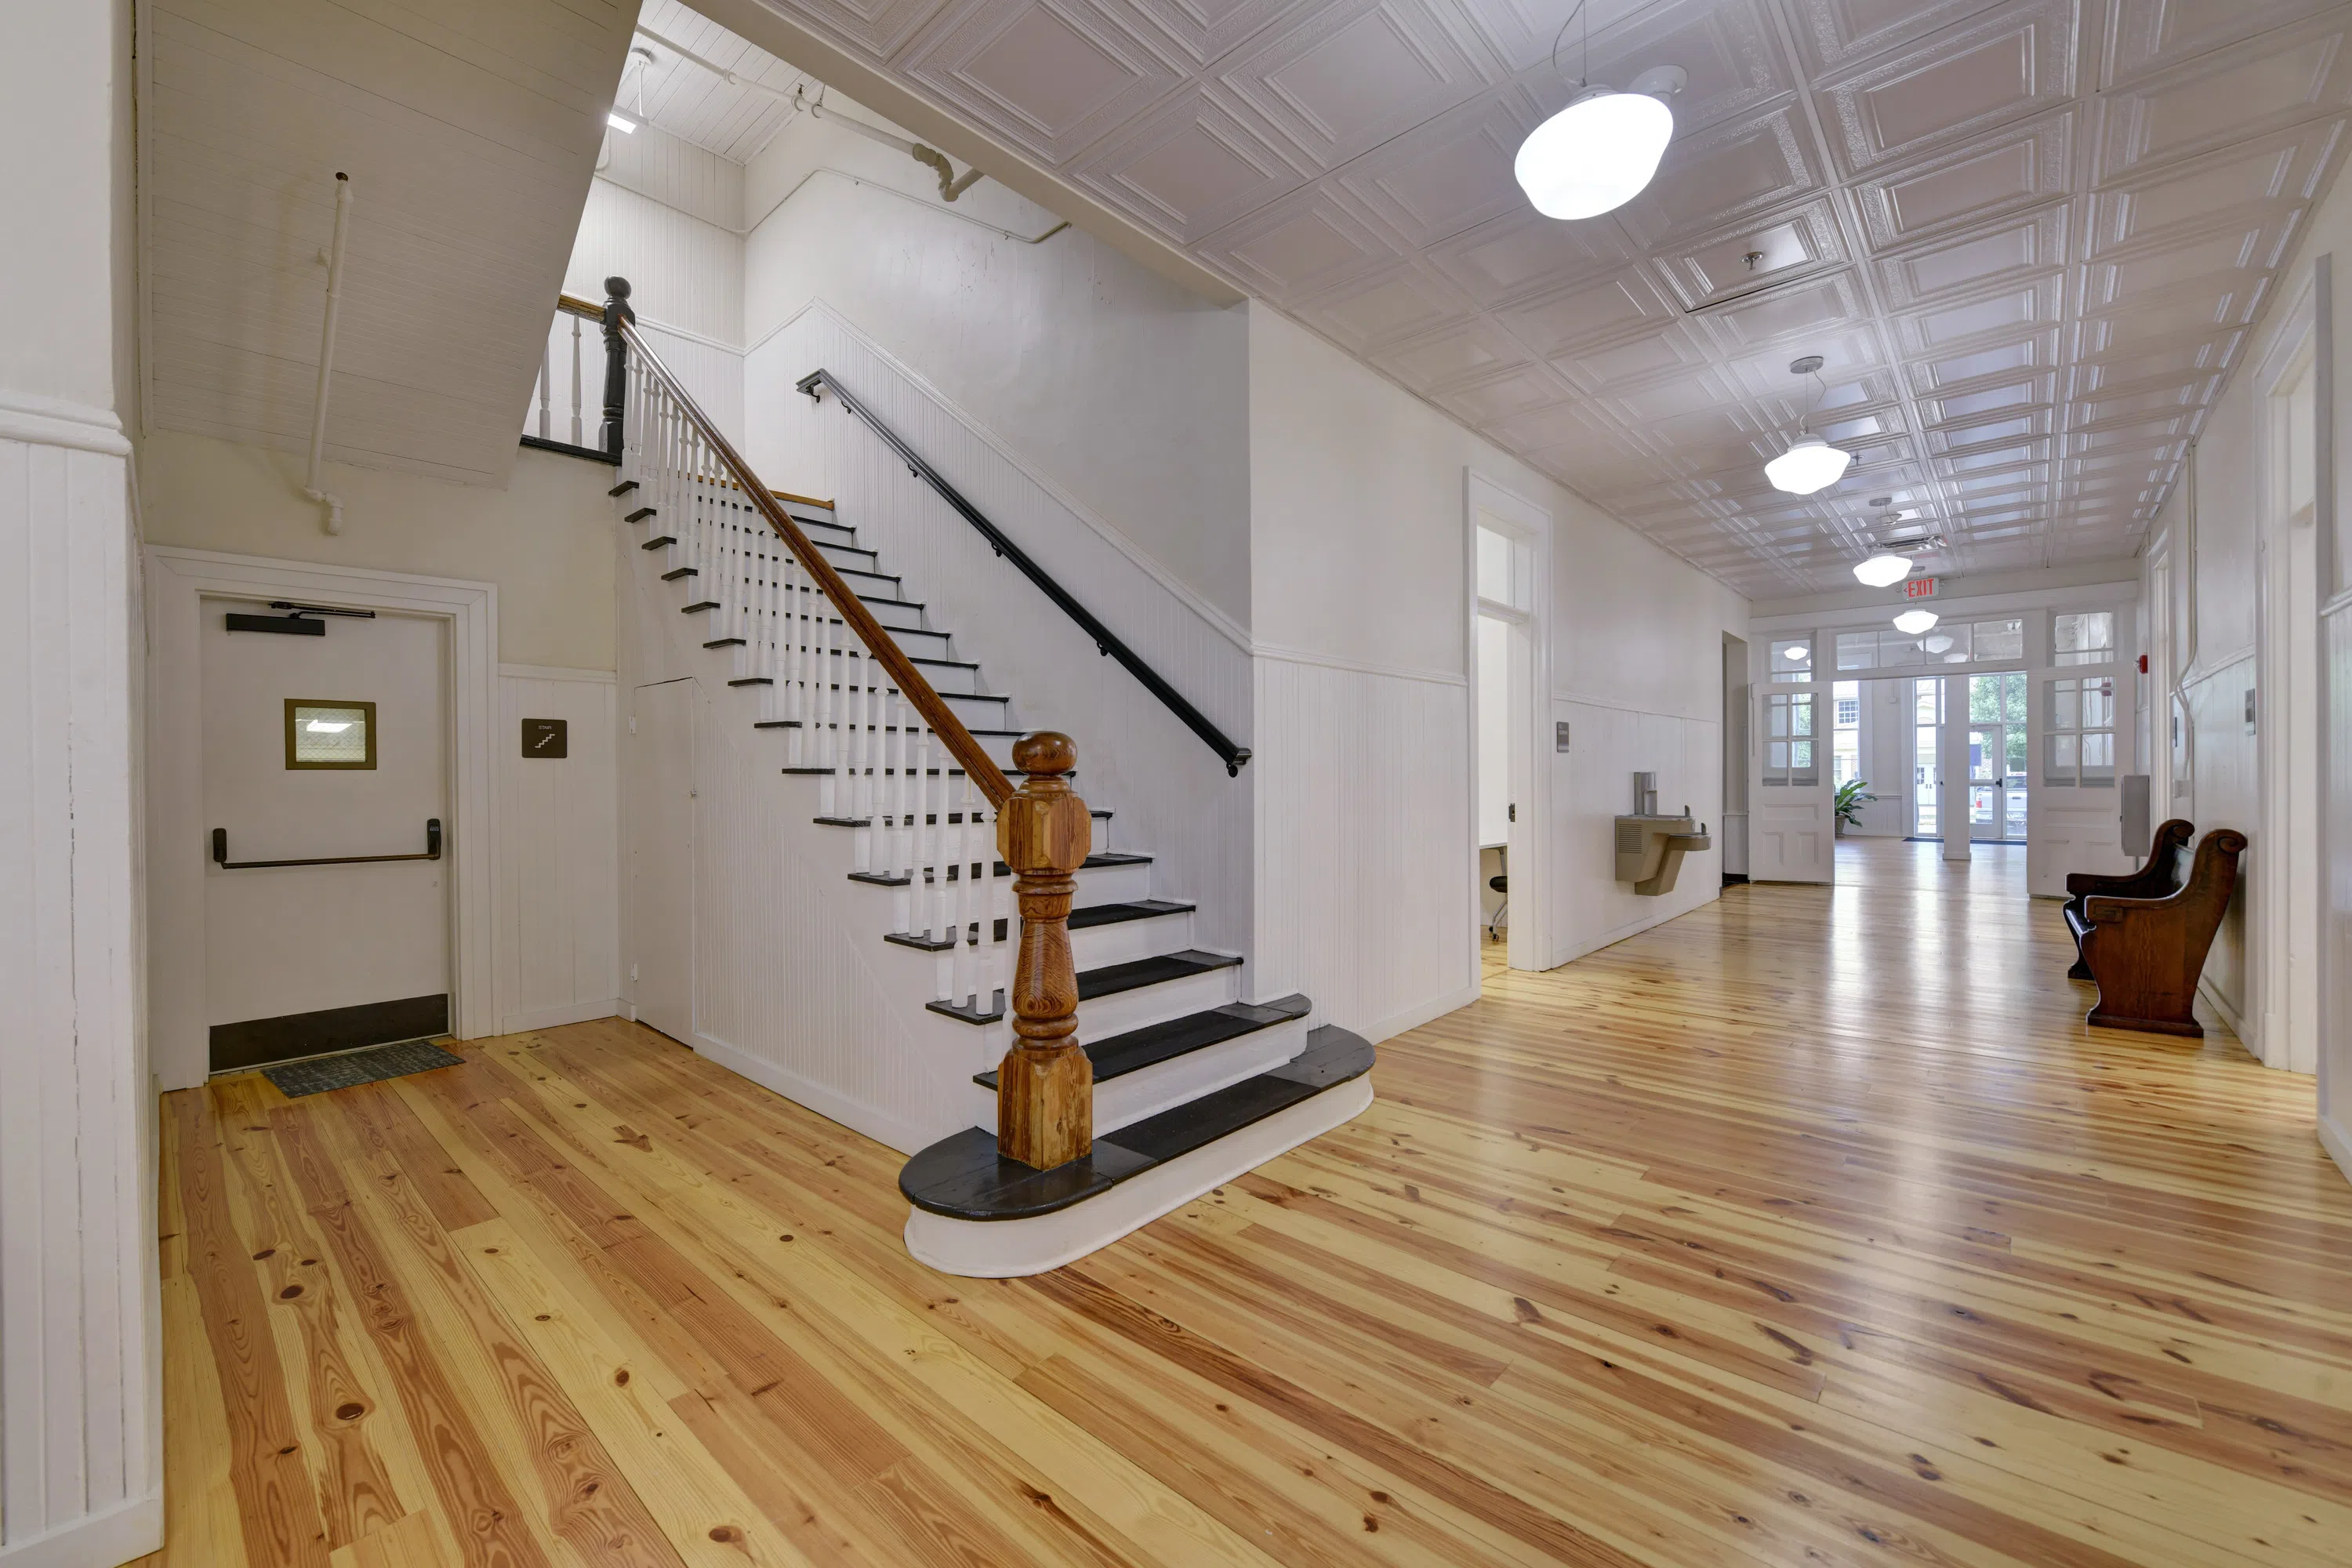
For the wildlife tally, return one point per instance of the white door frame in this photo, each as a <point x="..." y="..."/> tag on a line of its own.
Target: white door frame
<point x="2285" y="916"/>
<point x="177" y="582"/>
<point x="1530" y="928"/>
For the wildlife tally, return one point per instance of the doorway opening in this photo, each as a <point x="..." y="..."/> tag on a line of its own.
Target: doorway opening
<point x="1508" y="557"/>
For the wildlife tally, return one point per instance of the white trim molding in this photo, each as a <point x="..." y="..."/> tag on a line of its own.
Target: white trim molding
<point x="53" y="421"/>
<point x="128" y="1530"/>
<point x="178" y="581"/>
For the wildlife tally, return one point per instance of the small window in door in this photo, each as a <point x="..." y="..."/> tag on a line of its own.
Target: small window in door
<point x="1789" y="756"/>
<point x="2079" y="748"/>
<point x="322" y="734"/>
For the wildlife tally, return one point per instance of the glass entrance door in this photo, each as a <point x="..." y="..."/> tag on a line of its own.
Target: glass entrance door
<point x="1998" y="741"/>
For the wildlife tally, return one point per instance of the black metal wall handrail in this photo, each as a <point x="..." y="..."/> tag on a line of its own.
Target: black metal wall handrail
<point x="432" y="852"/>
<point x="1105" y="639"/>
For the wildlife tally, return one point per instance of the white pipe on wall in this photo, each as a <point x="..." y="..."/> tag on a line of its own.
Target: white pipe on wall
<point x="335" y="504"/>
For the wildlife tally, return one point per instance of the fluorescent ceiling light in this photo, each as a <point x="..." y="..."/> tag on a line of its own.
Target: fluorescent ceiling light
<point x="621" y="122"/>
<point x="1810" y="464"/>
<point x="1911" y="623"/>
<point x="328" y="726"/>
<point x="1594" y="155"/>
<point x="1884" y="570"/>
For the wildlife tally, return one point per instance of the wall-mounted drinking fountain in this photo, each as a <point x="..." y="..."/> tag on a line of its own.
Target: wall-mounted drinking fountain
<point x="1650" y="848"/>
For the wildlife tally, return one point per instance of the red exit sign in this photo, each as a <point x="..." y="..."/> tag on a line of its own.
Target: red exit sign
<point x="1919" y="588"/>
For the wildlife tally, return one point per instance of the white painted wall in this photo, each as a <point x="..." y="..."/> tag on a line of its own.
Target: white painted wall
<point x="1123" y="390"/>
<point x="668" y="217"/>
<point x="557" y="945"/>
<point x="1363" y="725"/>
<point x="80" y="1413"/>
<point x="2229" y="576"/>
<point x="545" y="538"/>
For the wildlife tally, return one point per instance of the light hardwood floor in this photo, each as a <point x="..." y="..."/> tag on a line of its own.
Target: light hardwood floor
<point x="1809" y="1228"/>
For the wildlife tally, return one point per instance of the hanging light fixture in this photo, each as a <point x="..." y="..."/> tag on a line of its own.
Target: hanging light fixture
<point x="1911" y="623"/>
<point x="1884" y="570"/>
<point x="1599" y="152"/>
<point x="1810" y="464"/>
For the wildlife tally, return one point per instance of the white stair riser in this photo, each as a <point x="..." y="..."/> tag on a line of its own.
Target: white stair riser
<point x="1005" y="1248"/>
<point x="1148" y="1091"/>
<point x="1098" y="945"/>
<point x="1116" y="1014"/>
<point x="1131" y="1097"/>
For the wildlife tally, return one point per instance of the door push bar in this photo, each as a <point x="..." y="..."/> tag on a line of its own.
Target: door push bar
<point x="432" y="852"/>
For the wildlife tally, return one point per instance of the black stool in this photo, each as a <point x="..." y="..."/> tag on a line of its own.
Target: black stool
<point x="1501" y="883"/>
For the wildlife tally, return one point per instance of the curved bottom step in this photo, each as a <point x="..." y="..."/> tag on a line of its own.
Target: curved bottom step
<point x="983" y="1216"/>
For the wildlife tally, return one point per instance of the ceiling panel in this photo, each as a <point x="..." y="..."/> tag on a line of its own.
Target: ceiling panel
<point x="2025" y="235"/>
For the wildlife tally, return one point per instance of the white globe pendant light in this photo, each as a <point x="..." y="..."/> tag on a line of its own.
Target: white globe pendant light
<point x="1596" y="154"/>
<point x="1911" y="623"/>
<point x="1599" y="152"/>
<point x="1810" y="464"/>
<point x="1884" y="570"/>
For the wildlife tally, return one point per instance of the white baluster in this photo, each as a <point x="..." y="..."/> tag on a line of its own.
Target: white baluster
<point x="575" y="382"/>
<point x="543" y="380"/>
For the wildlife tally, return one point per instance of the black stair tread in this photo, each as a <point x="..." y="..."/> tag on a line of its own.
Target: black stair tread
<point x="658" y="541"/>
<point x="964" y="1177"/>
<point x="624" y="487"/>
<point x="1116" y="914"/>
<point x="752" y="680"/>
<point x="641" y="513"/>
<point x="675" y="573"/>
<point x="988" y="1012"/>
<point x="1160" y="968"/>
<point x="1093" y="862"/>
<point x="921" y="944"/>
<point x="697" y="604"/>
<point x="1156" y="1043"/>
<point x="727" y="642"/>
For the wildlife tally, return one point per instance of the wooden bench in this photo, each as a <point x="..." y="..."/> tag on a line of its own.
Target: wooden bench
<point x="2159" y="876"/>
<point x="2146" y="953"/>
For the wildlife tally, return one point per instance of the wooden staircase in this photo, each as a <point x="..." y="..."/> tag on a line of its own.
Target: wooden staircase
<point x="1141" y="1070"/>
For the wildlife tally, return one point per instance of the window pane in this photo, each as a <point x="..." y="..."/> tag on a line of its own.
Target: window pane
<point x="329" y="734"/>
<point x="1928" y="699"/>
<point x="1792" y="658"/>
<point x="2099" y="704"/>
<point x="1801" y="715"/>
<point x="1494" y="567"/>
<point x="1845" y="757"/>
<point x="2099" y="758"/>
<point x="1944" y="645"/>
<point x="2015" y="740"/>
<point x="2013" y="697"/>
<point x="2065" y="704"/>
<point x="1776" y="756"/>
<point x="1984" y="755"/>
<point x="1999" y="640"/>
<point x="2086" y="638"/>
<point x="1776" y="717"/>
<point x="2058" y="761"/>
<point x="2015" y="827"/>
<point x="1857" y="650"/>
<point x="1984" y="699"/>
<point x="1980" y="807"/>
<point x="1800" y="756"/>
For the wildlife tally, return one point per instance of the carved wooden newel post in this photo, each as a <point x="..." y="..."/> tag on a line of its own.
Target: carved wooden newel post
<point x="1046" y="1088"/>
<point x="616" y="365"/>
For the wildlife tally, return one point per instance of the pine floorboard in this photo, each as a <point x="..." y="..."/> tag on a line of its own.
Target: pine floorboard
<point x="1812" y="1227"/>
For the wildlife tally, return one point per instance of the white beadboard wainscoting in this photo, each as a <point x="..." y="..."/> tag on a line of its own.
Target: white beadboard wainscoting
<point x="1592" y="783"/>
<point x="785" y="989"/>
<point x="557" y="903"/>
<point x="1171" y="792"/>
<point x="1363" y="823"/>
<point x="80" y="1406"/>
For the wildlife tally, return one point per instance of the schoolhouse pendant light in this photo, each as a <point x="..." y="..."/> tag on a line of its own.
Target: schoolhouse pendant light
<point x="1911" y="623"/>
<point x="1884" y="570"/>
<point x="1599" y="152"/>
<point x="1810" y="464"/>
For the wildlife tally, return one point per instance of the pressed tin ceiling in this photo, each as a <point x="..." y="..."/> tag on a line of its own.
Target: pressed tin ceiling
<point x="2028" y="237"/>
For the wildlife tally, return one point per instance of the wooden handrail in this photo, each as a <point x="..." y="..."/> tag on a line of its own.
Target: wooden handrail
<point x="572" y="305"/>
<point x="982" y="768"/>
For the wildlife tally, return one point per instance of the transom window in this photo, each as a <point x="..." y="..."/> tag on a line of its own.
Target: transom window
<point x="1792" y="658"/>
<point x="2083" y="637"/>
<point x="1952" y="642"/>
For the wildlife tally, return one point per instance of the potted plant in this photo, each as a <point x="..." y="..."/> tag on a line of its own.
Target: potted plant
<point x="1851" y="796"/>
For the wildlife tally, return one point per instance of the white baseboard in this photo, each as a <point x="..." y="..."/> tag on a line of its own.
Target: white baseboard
<point x="1413" y="1017"/>
<point x="555" y="1017"/>
<point x="104" y="1540"/>
<point x="893" y="1132"/>
<point x="1009" y="1248"/>
<point x="2337" y="1142"/>
<point x="2229" y="1015"/>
